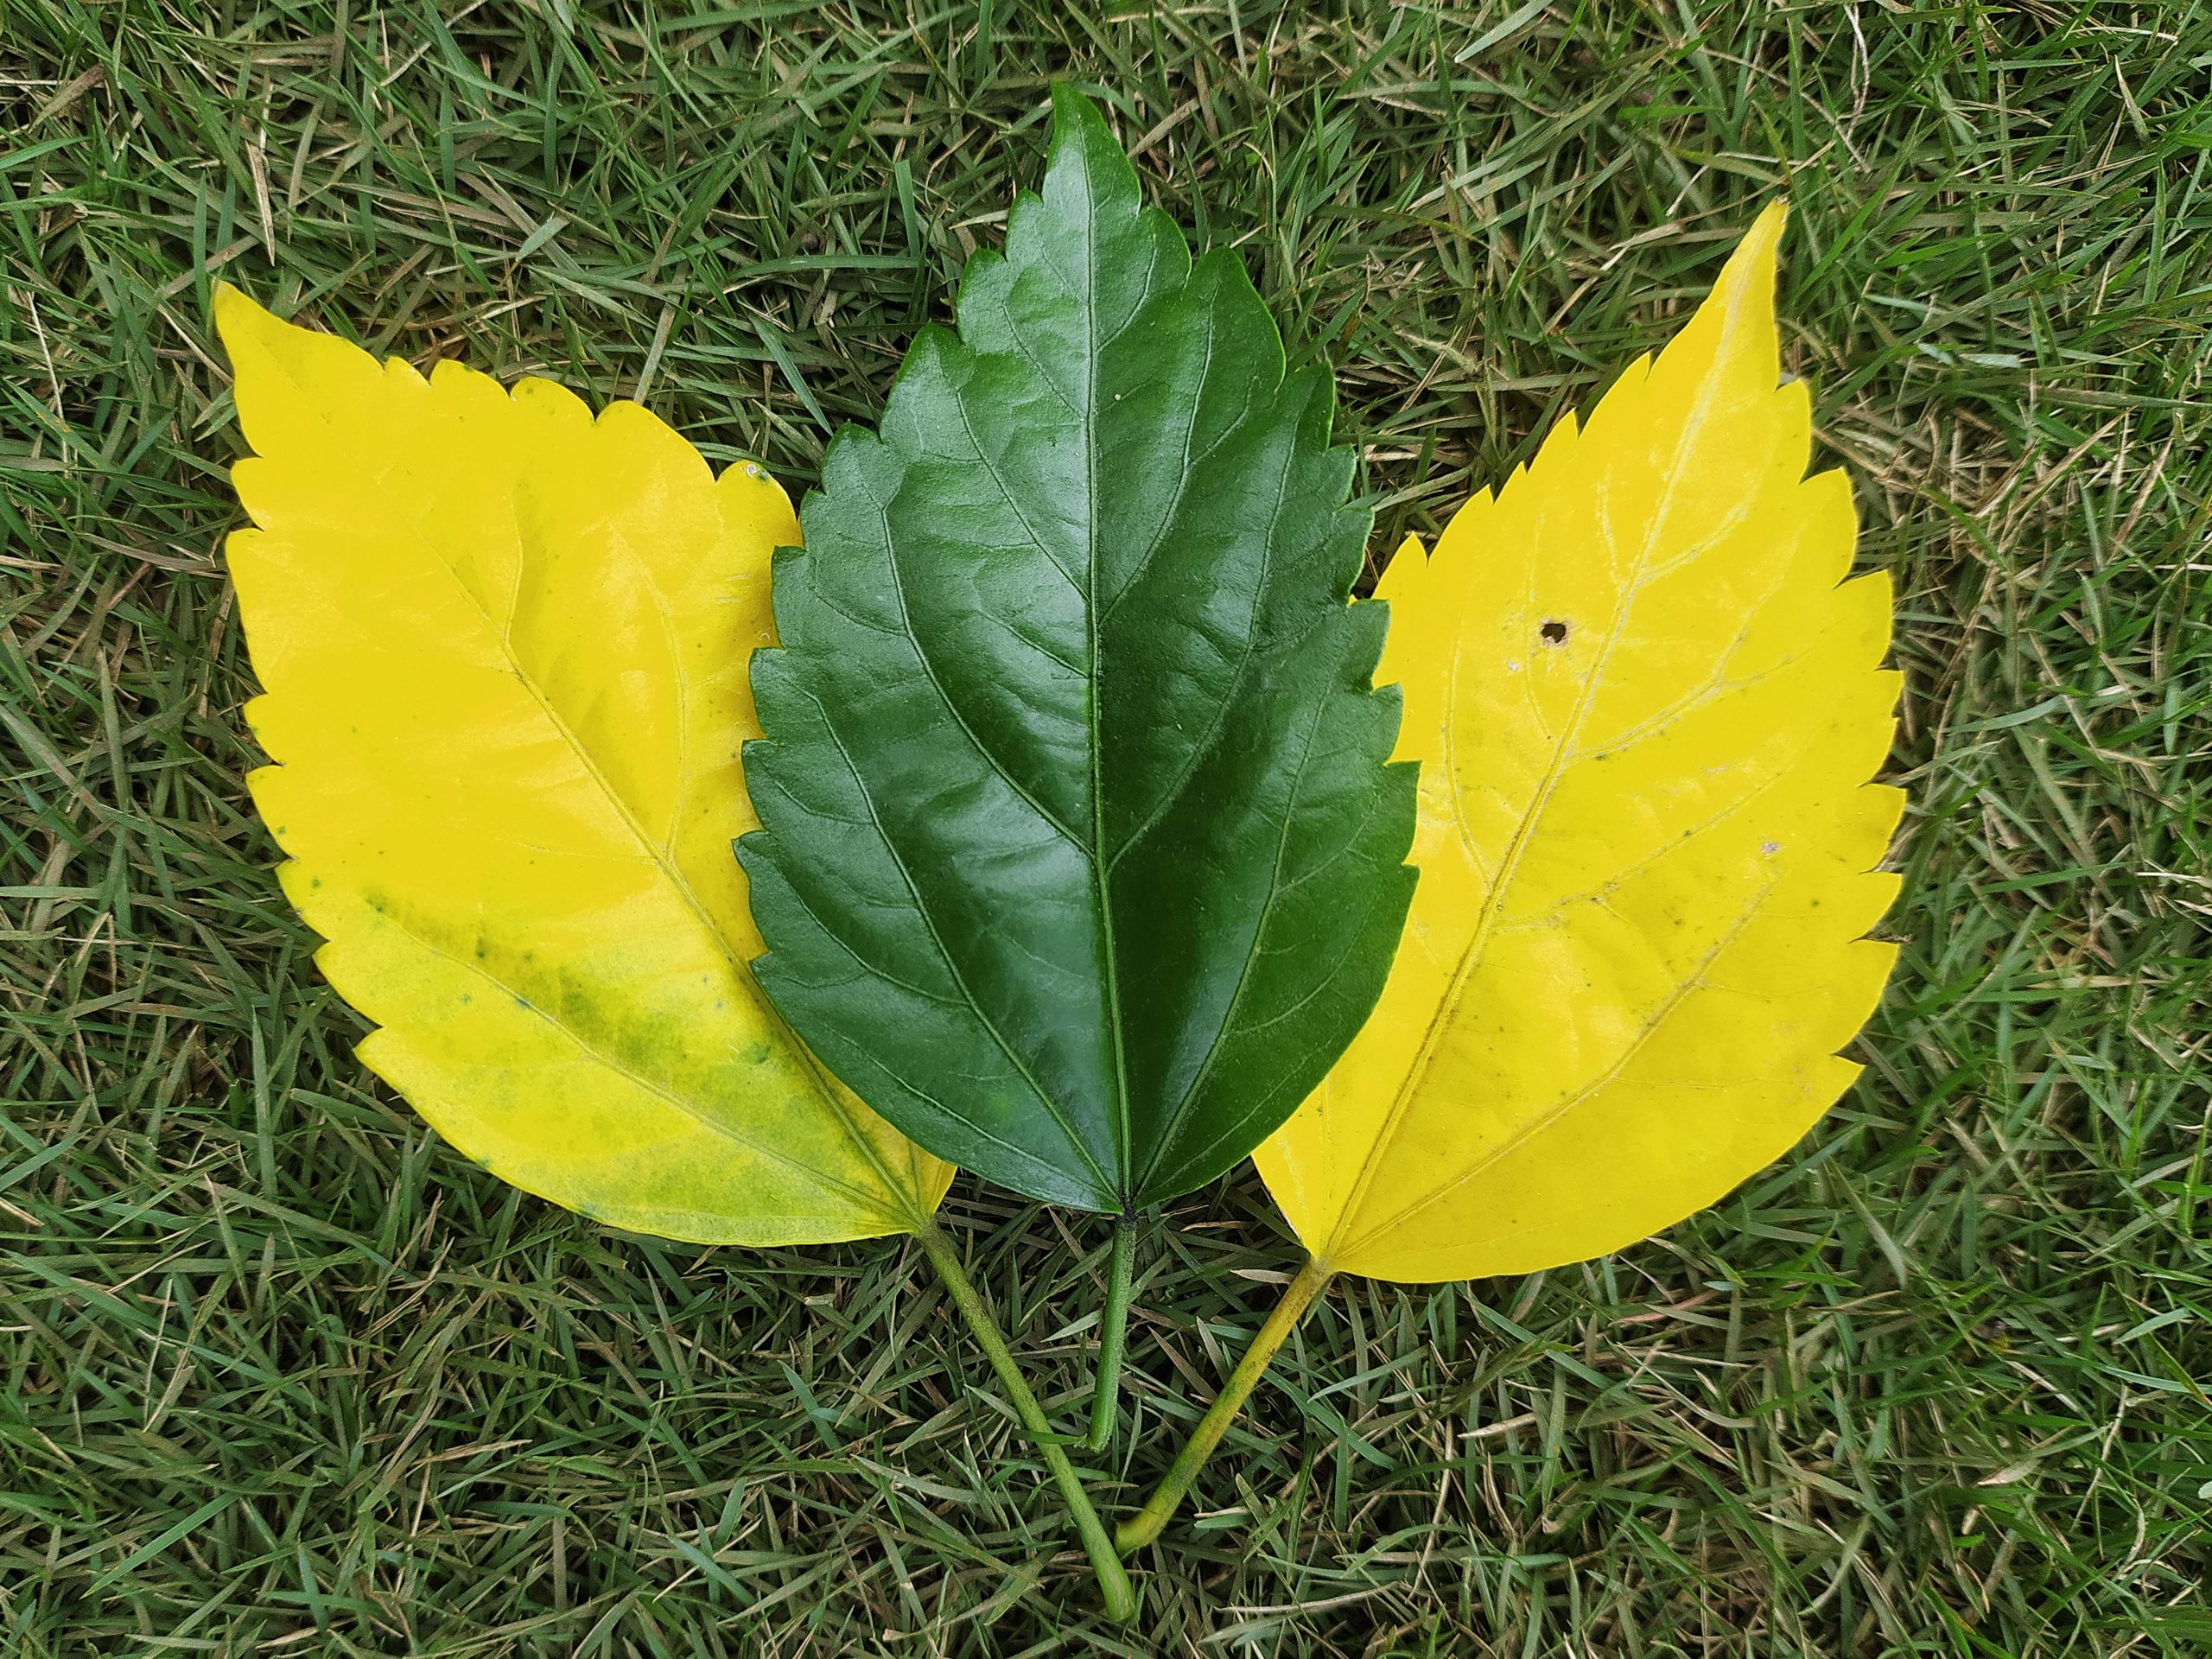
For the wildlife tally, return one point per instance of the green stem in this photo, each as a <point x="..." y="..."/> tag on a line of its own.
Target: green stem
<point x="1143" y="1526"/>
<point x="1113" y="1336"/>
<point x="1113" y="1580"/>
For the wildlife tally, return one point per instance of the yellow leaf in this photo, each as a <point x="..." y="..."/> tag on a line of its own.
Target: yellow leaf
<point x="1646" y="702"/>
<point x="503" y="647"/>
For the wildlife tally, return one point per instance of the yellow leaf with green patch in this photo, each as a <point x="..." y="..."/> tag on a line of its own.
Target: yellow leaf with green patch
<point x="1646" y="704"/>
<point x="503" y="647"/>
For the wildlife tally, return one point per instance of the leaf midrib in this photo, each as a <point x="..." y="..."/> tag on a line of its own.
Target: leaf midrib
<point x="1101" y="872"/>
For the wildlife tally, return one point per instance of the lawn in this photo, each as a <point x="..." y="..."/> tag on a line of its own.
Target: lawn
<point x="285" y="1375"/>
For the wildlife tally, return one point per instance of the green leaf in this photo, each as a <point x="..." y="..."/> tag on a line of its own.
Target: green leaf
<point x="1080" y="856"/>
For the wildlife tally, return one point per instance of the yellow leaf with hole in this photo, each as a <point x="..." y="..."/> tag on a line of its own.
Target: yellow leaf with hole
<point x="503" y="647"/>
<point x="1646" y="702"/>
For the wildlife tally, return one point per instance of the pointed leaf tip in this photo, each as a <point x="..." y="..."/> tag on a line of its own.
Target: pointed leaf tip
<point x="1073" y="109"/>
<point x="242" y="323"/>
<point x="228" y="298"/>
<point x="1758" y="250"/>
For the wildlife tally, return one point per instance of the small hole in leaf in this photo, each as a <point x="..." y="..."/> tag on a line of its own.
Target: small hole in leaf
<point x="1554" y="634"/>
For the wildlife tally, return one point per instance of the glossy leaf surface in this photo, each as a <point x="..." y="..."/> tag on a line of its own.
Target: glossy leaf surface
<point x="1646" y="702"/>
<point x="504" y="650"/>
<point x="1082" y="856"/>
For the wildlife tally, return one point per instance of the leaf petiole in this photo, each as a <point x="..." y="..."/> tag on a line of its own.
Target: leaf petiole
<point x="1143" y="1526"/>
<point x="1113" y="1337"/>
<point x="1113" y="1580"/>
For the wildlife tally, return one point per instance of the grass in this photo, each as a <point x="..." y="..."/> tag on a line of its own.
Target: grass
<point x="284" y="1375"/>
